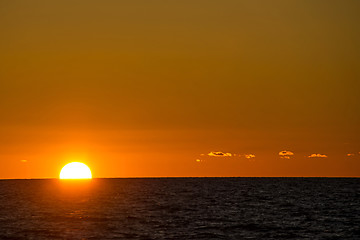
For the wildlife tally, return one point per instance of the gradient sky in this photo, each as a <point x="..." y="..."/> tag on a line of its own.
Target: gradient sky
<point x="151" y="88"/>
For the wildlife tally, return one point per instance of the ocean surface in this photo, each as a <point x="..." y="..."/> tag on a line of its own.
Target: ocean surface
<point x="181" y="208"/>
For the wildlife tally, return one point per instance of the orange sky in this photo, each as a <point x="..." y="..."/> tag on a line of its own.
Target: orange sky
<point x="150" y="88"/>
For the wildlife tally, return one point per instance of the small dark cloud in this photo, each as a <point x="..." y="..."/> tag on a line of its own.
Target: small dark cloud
<point x="317" y="155"/>
<point x="249" y="156"/>
<point x="286" y="154"/>
<point x="219" y="154"/>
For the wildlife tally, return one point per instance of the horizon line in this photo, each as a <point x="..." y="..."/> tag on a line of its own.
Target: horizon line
<point x="159" y="177"/>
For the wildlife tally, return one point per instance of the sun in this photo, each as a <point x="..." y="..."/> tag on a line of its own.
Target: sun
<point x="75" y="170"/>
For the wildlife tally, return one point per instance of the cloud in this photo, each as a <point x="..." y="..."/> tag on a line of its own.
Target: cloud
<point x="219" y="154"/>
<point x="317" y="155"/>
<point x="286" y="154"/>
<point x="249" y="156"/>
<point x="350" y="154"/>
<point x="198" y="160"/>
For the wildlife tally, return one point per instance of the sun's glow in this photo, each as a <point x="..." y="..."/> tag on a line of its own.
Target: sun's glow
<point x="75" y="170"/>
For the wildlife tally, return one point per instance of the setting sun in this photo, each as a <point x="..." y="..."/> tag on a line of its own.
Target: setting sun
<point x="75" y="170"/>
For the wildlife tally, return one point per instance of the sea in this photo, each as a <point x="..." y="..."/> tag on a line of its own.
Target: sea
<point x="181" y="208"/>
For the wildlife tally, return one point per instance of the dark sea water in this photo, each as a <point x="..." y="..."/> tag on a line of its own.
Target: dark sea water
<point x="181" y="208"/>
